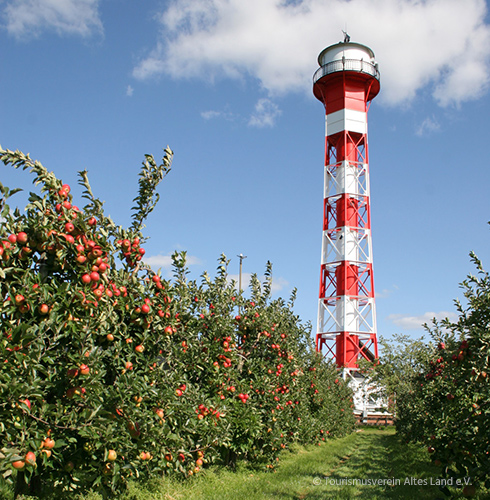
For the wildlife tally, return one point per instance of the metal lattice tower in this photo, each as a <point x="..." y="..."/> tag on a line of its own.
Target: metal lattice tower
<point x="346" y="82"/>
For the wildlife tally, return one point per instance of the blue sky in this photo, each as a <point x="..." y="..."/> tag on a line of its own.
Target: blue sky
<point x="227" y="85"/>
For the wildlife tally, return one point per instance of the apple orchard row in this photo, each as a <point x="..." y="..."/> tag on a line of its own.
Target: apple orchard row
<point x="448" y="406"/>
<point x="111" y="372"/>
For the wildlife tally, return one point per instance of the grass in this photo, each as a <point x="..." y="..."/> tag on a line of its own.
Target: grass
<point x="316" y="473"/>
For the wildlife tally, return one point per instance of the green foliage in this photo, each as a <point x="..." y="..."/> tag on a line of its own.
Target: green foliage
<point x="109" y="372"/>
<point x="150" y="176"/>
<point x="448" y="406"/>
<point x="400" y="363"/>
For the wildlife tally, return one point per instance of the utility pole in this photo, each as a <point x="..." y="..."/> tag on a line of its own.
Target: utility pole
<point x="241" y="257"/>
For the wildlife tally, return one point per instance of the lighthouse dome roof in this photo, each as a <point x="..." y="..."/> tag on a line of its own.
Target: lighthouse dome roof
<point x="347" y="50"/>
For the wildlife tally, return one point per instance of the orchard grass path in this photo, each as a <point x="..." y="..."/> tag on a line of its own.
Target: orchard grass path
<point x="317" y="473"/>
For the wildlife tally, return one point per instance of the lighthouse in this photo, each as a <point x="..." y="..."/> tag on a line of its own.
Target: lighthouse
<point x="346" y="83"/>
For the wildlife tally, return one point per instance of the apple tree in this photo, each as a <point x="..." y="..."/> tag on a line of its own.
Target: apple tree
<point x="449" y="405"/>
<point x="77" y="345"/>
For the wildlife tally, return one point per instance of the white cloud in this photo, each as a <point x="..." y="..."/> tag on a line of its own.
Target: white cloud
<point x="151" y="65"/>
<point x="209" y="115"/>
<point x="245" y="280"/>
<point x="27" y="18"/>
<point x="165" y="261"/>
<point x="441" y="43"/>
<point x="430" y="124"/>
<point x="279" y="284"/>
<point x="157" y="261"/>
<point x="416" y="322"/>
<point x="265" y="114"/>
<point x="386" y="292"/>
<point x="212" y="114"/>
<point x="129" y="91"/>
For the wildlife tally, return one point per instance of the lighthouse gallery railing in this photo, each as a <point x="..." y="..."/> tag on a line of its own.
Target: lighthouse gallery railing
<point x="343" y="64"/>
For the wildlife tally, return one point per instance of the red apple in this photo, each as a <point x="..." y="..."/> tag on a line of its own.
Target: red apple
<point x="30" y="458"/>
<point x="159" y="412"/>
<point x="49" y="443"/>
<point x="22" y="238"/>
<point x="26" y="402"/>
<point x="94" y="276"/>
<point x="19" y="299"/>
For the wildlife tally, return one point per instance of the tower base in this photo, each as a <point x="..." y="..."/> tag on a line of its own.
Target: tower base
<point x="370" y="407"/>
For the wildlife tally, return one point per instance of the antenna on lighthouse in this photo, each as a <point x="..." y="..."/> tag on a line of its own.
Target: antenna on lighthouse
<point x="347" y="80"/>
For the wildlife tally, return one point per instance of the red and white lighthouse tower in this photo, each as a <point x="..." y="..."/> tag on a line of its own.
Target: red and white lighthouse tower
<point x="346" y="82"/>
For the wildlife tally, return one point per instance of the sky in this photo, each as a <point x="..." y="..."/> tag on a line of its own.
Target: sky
<point x="227" y="84"/>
